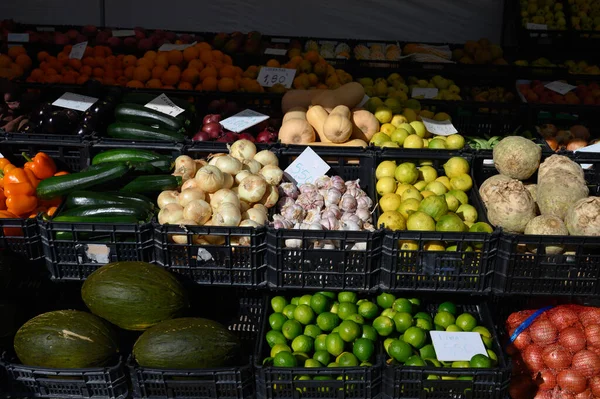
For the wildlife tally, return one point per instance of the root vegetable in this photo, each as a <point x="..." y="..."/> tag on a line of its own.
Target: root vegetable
<point x="510" y="206"/>
<point x="252" y="165"/>
<point x="189" y="195"/>
<point x="261" y="208"/>
<point x="560" y="163"/>
<point x="222" y="196"/>
<point x="557" y="193"/>
<point x="170" y="214"/>
<point x="182" y="238"/>
<point x="490" y="184"/>
<point x="212" y="159"/>
<point x="198" y="211"/>
<point x="242" y="175"/>
<point x="255" y="215"/>
<point x="266" y="157"/>
<point x="186" y="166"/>
<point x="272" y="174"/>
<point x="517" y="157"/>
<point x="547" y="225"/>
<point x="191" y="184"/>
<point x="270" y="198"/>
<point x="242" y="149"/>
<point x="167" y="197"/>
<point x="244" y="206"/>
<point x="252" y="188"/>
<point x="229" y="164"/>
<point x="227" y="214"/>
<point x="227" y="180"/>
<point x="365" y="125"/>
<point x="583" y="218"/>
<point x="210" y="179"/>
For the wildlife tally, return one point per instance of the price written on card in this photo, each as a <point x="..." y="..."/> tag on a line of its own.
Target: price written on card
<point x="457" y="346"/>
<point x="560" y="87"/>
<point x="123" y="32"/>
<point x="269" y="77"/>
<point x="424" y="92"/>
<point x="243" y="120"/>
<point x="18" y="38"/>
<point x="276" y="51"/>
<point x="306" y="168"/>
<point x="75" y="101"/>
<point x="532" y="26"/>
<point x="180" y="47"/>
<point x="164" y="104"/>
<point x="440" y="128"/>
<point x="78" y="50"/>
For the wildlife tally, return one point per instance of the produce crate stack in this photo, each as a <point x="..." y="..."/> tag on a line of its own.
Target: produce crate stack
<point x="236" y="216"/>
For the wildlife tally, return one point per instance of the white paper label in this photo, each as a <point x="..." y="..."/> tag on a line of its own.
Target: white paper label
<point x="164" y="104"/>
<point x="18" y="38"/>
<point x="457" y="346"/>
<point x="78" y="50"/>
<point x="1" y="155"/>
<point x="306" y="168"/>
<point x="488" y="162"/>
<point x="425" y="92"/>
<point x="280" y="40"/>
<point x="204" y="255"/>
<point x="269" y="77"/>
<point x="559" y="87"/>
<point x="123" y="33"/>
<point x="276" y="51"/>
<point x="180" y="47"/>
<point x="97" y="253"/>
<point x="440" y="128"/>
<point x="243" y="120"/>
<point x="363" y="101"/>
<point x="75" y="101"/>
<point x="532" y="26"/>
<point x="589" y="148"/>
<point x="45" y="29"/>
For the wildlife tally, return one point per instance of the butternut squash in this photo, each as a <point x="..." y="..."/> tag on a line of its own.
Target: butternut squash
<point x="296" y="131"/>
<point x="295" y="113"/>
<point x="342" y="110"/>
<point x="365" y="125"/>
<point x="316" y="116"/>
<point x="337" y="128"/>
<point x="350" y="95"/>
<point x="298" y="98"/>
<point x="351" y="143"/>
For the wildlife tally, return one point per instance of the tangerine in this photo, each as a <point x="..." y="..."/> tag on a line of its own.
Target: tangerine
<point x="142" y="74"/>
<point x="157" y="72"/>
<point x="175" y="57"/>
<point x="14" y="51"/>
<point x="136" y="84"/>
<point x="190" y="75"/>
<point x="154" y="84"/>
<point x="210" y="83"/>
<point x="209" y="71"/>
<point x="129" y="60"/>
<point x="185" y="86"/>
<point x="5" y="61"/>
<point x="75" y="63"/>
<point x="129" y="72"/>
<point x="170" y="77"/>
<point x="227" y="85"/>
<point x="196" y="64"/>
<point x="191" y="53"/>
<point x="151" y="55"/>
<point x="273" y="63"/>
<point x="42" y="55"/>
<point x="227" y="71"/>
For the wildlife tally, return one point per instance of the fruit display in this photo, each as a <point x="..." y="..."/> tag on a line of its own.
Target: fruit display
<point x="585" y="15"/>
<point x="237" y="42"/>
<point x="571" y="139"/>
<point x="395" y="86"/>
<point x="15" y="63"/>
<point x="377" y="52"/>
<point x="427" y="53"/>
<point x="557" y="354"/>
<point x="535" y="92"/>
<point x="486" y="94"/>
<point x="328" y="49"/>
<point x="211" y="129"/>
<point x="479" y="52"/>
<point x="544" y="12"/>
<point x="581" y="67"/>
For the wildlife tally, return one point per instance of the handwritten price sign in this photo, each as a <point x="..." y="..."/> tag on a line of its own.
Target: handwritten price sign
<point x="269" y="77"/>
<point x="306" y="168"/>
<point x="457" y="346"/>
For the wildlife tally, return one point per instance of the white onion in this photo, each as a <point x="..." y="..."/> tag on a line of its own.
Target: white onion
<point x="200" y="240"/>
<point x="192" y="183"/>
<point x="213" y="240"/>
<point x="271" y="197"/>
<point x="167" y="197"/>
<point x="210" y="179"/>
<point x="228" y="164"/>
<point x="272" y="174"/>
<point x="249" y="223"/>
<point x="198" y="211"/>
<point x="251" y="165"/>
<point x="252" y="188"/>
<point x="242" y="149"/>
<point x="182" y="238"/>
<point x="242" y="175"/>
<point x="244" y="206"/>
<point x="262" y="208"/>
<point x="293" y="243"/>
<point x="227" y="180"/>
<point x="222" y="196"/>
<point x="170" y="214"/>
<point x="212" y="159"/>
<point x="227" y="214"/>
<point x="189" y="195"/>
<point x="255" y="215"/>
<point x="200" y="163"/>
<point x="185" y="164"/>
<point x="266" y="157"/>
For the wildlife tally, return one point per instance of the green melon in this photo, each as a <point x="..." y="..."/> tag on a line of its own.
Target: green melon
<point x="66" y="339"/>
<point x="134" y="295"/>
<point x="186" y="343"/>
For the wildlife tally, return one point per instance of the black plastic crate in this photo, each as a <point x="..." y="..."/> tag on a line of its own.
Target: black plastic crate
<point x="68" y="156"/>
<point x="417" y="383"/>
<point x="333" y="269"/>
<point x="463" y="270"/>
<point x="42" y="382"/>
<point x="220" y="383"/>
<point x="285" y="383"/>
<point x="21" y="236"/>
<point x="73" y="251"/>
<point x="574" y="272"/>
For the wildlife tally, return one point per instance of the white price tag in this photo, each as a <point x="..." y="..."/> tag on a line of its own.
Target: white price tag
<point x="164" y="104"/>
<point x="45" y="29"/>
<point x="243" y="120"/>
<point x="532" y="26"/>
<point x="589" y="148"/>
<point x="204" y="255"/>
<point x="78" y="50"/>
<point x="268" y="77"/>
<point x="18" y="38"/>
<point x="280" y="40"/>
<point x="307" y="168"/>
<point x="123" y="32"/>
<point x="363" y="101"/>
<point x="97" y="253"/>
<point x="276" y="51"/>
<point x="488" y="162"/>
<point x="425" y="92"/>
<point x="457" y="346"/>
<point x="180" y="47"/>
<point x="560" y="87"/>
<point x="1" y="156"/>
<point x="75" y="101"/>
<point x="440" y="128"/>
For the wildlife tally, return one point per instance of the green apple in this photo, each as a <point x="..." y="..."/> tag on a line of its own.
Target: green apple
<point x="408" y="127"/>
<point x="379" y="138"/>
<point x="399" y="135"/>
<point x="383" y="114"/>
<point x="419" y="128"/>
<point x="398" y="120"/>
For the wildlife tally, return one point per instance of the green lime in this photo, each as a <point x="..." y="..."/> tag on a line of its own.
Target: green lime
<point x="383" y="325"/>
<point x="480" y="361"/>
<point x="363" y="349"/>
<point x="368" y="310"/>
<point x="447" y="307"/>
<point x="322" y="356"/>
<point x="402" y="321"/>
<point x="358" y="319"/>
<point x="427" y="352"/>
<point x="386" y="344"/>
<point x="369" y="332"/>
<point x="349" y="330"/>
<point x="335" y="344"/>
<point x="312" y="331"/>
<point x="327" y="321"/>
<point x="295" y="300"/>
<point x="366" y="364"/>
<point x="275" y="337"/>
<point x="400" y="351"/>
<point x="402" y="305"/>
<point x="347" y="359"/>
<point x="319" y="303"/>
<point x="284" y="359"/>
<point x="280" y="348"/>
<point x="334" y="307"/>
<point x="312" y="363"/>
<point x="302" y="343"/>
<point x="424" y="324"/>
<point x="385" y="301"/>
<point x="432" y="362"/>
<point x="305" y="300"/>
<point x="346" y="309"/>
<point x="291" y="329"/>
<point x="388" y="313"/>
<point x="328" y="294"/>
<point x="443" y="319"/>
<point x="486" y="336"/>
<point x="414" y="361"/>
<point x="335" y="330"/>
<point x="346" y="296"/>
<point x="276" y="321"/>
<point x="320" y="343"/>
<point x="493" y="357"/>
<point x="416" y="302"/>
<point x="278" y="303"/>
<point x="304" y="314"/>
<point x="453" y="328"/>
<point x="301" y="357"/>
<point x="288" y="311"/>
<point x="466" y="321"/>
<point x="424" y="316"/>
<point x="332" y="364"/>
<point x="460" y="365"/>
<point x="415" y="337"/>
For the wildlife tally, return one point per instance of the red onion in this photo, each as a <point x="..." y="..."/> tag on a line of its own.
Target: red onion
<point x="201" y="136"/>
<point x="246" y="136"/>
<point x="572" y="338"/>
<point x="546" y="380"/>
<point x="543" y="332"/>
<point x="211" y="118"/>
<point x="228" y="137"/>
<point x="592" y="335"/>
<point x="562" y="317"/>
<point x="263" y="137"/>
<point x="571" y="381"/>
<point x="213" y="129"/>
<point x="586" y="363"/>
<point x="556" y="357"/>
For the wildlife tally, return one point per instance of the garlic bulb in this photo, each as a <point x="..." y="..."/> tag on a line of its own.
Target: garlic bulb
<point x="348" y="203"/>
<point x="332" y="197"/>
<point x="289" y="190"/>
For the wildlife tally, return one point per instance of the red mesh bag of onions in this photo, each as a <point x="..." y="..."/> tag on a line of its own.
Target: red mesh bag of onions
<point x="555" y="353"/>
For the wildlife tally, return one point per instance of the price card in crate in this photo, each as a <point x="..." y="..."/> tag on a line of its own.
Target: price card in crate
<point x="243" y="120"/>
<point x="269" y="77"/>
<point x="440" y="128"/>
<point x="457" y="346"/>
<point x="164" y="104"/>
<point x="307" y="168"/>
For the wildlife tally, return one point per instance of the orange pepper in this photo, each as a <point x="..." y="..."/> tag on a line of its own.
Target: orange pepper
<point x="41" y="165"/>
<point x="21" y="204"/>
<point x="20" y="181"/>
<point x="37" y="211"/>
<point x="61" y="173"/>
<point x="10" y="231"/>
<point x="51" y="202"/>
<point x="51" y="210"/>
<point x="8" y="168"/>
<point x="2" y="200"/>
<point x="3" y="163"/>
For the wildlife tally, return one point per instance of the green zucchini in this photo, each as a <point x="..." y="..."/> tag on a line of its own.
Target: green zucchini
<point x="153" y="183"/>
<point x="126" y="155"/>
<point x="92" y="198"/>
<point x="134" y="198"/>
<point x="109" y="210"/>
<point x="137" y="131"/>
<point x="156" y="166"/>
<point x="95" y="219"/>
<point x="147" y="116"/>
<point x="57" y="186"/>
<point x="145" y="98"/>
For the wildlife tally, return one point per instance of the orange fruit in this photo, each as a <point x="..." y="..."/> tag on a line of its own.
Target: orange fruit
<point x="157" y="72"/>
<point x="129" y="72"/>
<point x="154" y="84"/>
<point x="82" y="79"/>
<point x="85" y="61"/>
<point x="129" y="60"/>
<point x="5" y="61"/>
<point x="110" y="81"/>
<point x="175" y="57"/>
<point x="13" y="52"/>
<point x="168" y="87"/>
<point x="63" y="58"/>
<point x="145" y="62"/>
<point x="111" y="60"/>
<point x="142" y="74"/>
<point x="52" y="78"/>
<point x="185" y="86"/>
<point x="209" y="84"/>
<point x="312" y="56"/>
<point x="198" y="87"/>
<point x="227" y="71"/>
<point x="122" y="80"/>
<point x="209" y="71"/>
<point x="190" y="53"/>
<point x="42" y="55"/>
<point x="227" y="85"/>
<point x="190" y="75"/>
<point x="50" y="71"/>
<point x="273" y="63"/>
<point x="98" y="72"/>
<point x="313" y="79"/>
<point x="86" y="70"/>
<point x="75" y="64"/>
<point x="217" y="55"/>
<point x="238" y="71"/>
<point x="100" y="61"/>
<point x="135" y="84"/>
<point x="203" y="46"/>
<point x="196" y="64"/>
<point x="170" y="77"/>
<point x="206" y="57"/>
<point x="37" y="74"/>
<point x="162" y="60"/>
<point x="227" y="60"/>
<point x="17" y="69"/>
<point x="151" y="55"/>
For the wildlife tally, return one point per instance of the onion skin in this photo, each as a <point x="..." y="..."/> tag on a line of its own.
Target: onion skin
<point x="543" y="332"/>
<point x="595" y="385"/>
<point x="546" y="380"/>
<point x="592" y="335"/>
<point x="575" y="144"/>
<point x="533" y="358"/>
<point x="556" y="357"/>
<point x="572" y="339"/>
<point x="586" y="363"/>
<point x="562" y="317"/>
<point x="552" y="143"/>
<point x="571" y="381"/>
